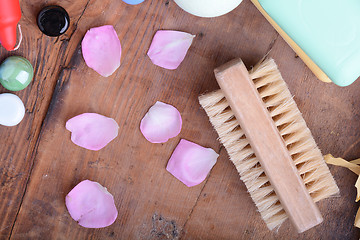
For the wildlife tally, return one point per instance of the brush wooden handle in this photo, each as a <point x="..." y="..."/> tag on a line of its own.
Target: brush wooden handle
<point x="268" y="145"/>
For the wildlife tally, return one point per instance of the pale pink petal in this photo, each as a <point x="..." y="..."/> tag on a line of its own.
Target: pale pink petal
<point x="160" y="123"/>
<point x="168" y="48"/>
<point x="91" y="205"/>
<point x="92" y="131"/>
<point x="191" y="163"/>
<point x="101" y="49"/>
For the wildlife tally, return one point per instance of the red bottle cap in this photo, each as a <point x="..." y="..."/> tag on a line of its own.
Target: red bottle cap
<point x="8" y="37"/>
<point x="10" y="14"/>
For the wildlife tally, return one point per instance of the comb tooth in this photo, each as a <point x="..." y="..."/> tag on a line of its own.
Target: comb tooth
<point x="233" y="138"/>
<point x="302" y="147"/>
<point x="220" y="107"/>
<point x="257" y="183"/>
<point x="263" y="69"/>
<point x="265" y="191"/>
<point x="305" y="156"/>
<point x="269" y="90"/>
<point x="266" y="83"/>
<point x="318" y="191"/>
<point x="222" y="118"/>
<point x="256" y="172"/>
<point x="263" y="82"/>
<point x="306" y="170"/>
<point x="236" y="146"/>
<point x="273" y="101"/>
<point x="219" y="119"/>
<point x="244" y="165"/>
<point x="294" y="138"/>
<point x="227" y="127"/>
<point x="267" y="202"/>
<point x="291" y="128"/>
<point x="211" y="99"/>
<point x="286" y="117"/>
<point x="244" y="153"/>
<point x="275" y="209"/>
<point x="316" y="188"/>
<point x="282" y="108"/>
<point x="276" y="220"/>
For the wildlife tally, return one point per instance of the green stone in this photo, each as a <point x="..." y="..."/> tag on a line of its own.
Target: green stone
<point x="16" y="73"/>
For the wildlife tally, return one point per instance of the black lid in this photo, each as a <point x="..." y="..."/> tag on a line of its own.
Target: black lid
<point x="53" y="21"/>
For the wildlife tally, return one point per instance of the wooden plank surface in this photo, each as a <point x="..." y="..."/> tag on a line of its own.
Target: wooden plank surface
<point x="17" y="144"/>
<point x="40" y="165"/>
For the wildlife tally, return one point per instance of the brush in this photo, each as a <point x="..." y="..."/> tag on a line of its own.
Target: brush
<point x="267" y="139"/>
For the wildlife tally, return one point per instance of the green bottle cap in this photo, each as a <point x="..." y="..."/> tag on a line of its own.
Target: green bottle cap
<point x="16" y="73"/>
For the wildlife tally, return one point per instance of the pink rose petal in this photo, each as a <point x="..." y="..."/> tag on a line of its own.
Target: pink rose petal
<point x="92" y="131"/>
<point x="91" y="205"/>
<point x="168" y="48"/>
<point x="160" y="123"/>
<point x="191" y="163"/>
<point x="101" y="50"/>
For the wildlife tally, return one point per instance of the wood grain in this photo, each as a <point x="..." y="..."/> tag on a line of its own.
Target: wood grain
<point x="17" y="144"/>
<point x="40" y="165"/>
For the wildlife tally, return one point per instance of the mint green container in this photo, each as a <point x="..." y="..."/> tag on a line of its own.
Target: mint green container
<point x="328" y="31"/>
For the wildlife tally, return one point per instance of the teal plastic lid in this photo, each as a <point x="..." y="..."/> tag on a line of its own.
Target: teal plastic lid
<point x="328" y="31"/>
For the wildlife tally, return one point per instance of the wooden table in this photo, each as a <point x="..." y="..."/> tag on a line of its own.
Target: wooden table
<point x="40" y="165"/>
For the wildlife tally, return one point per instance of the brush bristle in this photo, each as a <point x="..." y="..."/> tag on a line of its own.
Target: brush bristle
<point x="292" y="127"/>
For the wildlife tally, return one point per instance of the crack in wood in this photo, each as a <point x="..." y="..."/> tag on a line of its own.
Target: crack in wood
<point x="76" y="23"/>
<point x="272" y="43"/>
<point x="196" y="202"/>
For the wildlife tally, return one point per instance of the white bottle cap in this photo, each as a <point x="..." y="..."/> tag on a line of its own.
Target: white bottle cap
<point x="208" y="8"/>
<point x="12" y="109"/>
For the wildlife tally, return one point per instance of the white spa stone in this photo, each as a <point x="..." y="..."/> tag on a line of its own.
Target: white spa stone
<point x="208" y="8"/>
<point x="12" y="109"/>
